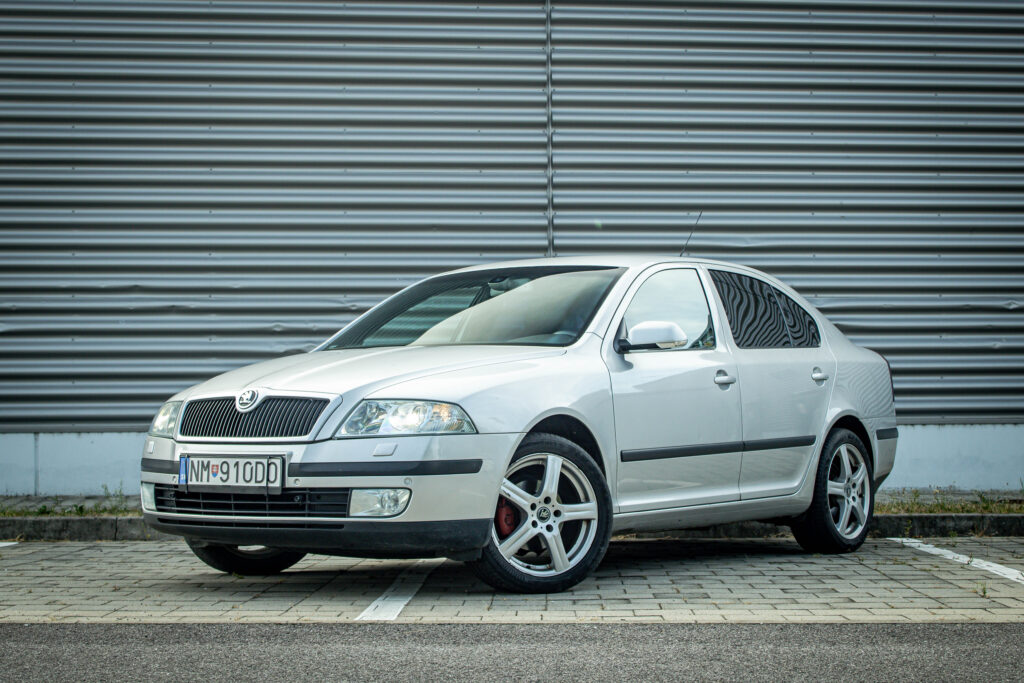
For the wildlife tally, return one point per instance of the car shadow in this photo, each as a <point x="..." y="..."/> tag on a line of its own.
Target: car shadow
<point x="663" y="549"/>
<point x="635" y="557"/>
<point x="632" y="557"/>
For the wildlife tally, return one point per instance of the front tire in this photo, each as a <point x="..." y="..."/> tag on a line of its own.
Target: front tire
<point x="234" y="560"/>
<point x="553" y="519"/>
<point x="838" y="519"/>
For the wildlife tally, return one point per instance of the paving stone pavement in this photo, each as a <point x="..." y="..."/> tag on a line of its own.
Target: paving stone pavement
<point x="756" y="580"/>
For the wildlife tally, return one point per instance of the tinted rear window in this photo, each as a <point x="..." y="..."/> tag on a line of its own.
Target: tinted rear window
<point x="754" y="315"/>
<point x="803" y="331"/>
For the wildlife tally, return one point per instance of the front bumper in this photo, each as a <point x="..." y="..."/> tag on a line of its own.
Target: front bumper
<point x="454" y="481"/>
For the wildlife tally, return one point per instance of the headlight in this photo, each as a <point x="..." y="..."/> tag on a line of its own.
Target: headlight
<point x="406" y="417"/>
<point x="166" y="420"/>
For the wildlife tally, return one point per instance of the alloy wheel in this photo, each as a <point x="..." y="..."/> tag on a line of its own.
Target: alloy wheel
<point x="849" y="491"/>
<point x="547" y="515"/>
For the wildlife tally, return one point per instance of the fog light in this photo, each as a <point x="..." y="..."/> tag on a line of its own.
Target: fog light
<point x="378" y="502"/>
<point x="148" y="497"/>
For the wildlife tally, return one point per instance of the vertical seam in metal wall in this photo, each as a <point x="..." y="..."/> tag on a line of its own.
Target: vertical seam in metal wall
<point x="550" y="130"/>
<point x="184" y="193"/>
<point x="211" y="192"/>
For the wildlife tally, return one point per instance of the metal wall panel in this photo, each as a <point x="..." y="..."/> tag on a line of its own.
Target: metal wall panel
<point x="869" y="154"/>
<point x="187" y="187"/>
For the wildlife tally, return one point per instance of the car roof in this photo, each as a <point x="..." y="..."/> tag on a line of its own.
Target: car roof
<point x="636" y="261"/>
<point x="601" y="260"/>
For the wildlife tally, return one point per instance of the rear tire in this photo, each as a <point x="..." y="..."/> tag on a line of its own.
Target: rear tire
<point x="843" y="504"/>
<point x="234" y="560"/>
<point x="553" y="520"/>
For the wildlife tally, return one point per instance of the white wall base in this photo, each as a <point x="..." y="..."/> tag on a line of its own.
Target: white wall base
<point x="963" y="456"/>
<point x="973" y="457"/>
<point x="54" y="464"/>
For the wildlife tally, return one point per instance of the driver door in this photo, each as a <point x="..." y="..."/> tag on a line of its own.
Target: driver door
<point x="677" y="411"/>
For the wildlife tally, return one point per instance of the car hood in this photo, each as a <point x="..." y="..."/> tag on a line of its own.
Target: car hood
<point x="342" y="371"/>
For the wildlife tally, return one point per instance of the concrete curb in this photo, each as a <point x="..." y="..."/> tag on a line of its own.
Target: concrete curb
<point x="948" y="525"/>
<point x="78" y="529"/>
<point x="134" y="529"/>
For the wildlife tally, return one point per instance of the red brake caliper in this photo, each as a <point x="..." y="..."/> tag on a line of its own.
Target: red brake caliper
<point x="505" y="517"/>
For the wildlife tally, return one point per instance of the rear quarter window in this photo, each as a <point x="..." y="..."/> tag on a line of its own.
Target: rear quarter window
<point x="803" y="331"/>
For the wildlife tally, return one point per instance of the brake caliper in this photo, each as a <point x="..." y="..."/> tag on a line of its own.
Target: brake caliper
<point x="505" y="518"/>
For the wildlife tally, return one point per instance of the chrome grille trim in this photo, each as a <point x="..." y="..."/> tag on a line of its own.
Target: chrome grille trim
<point x="275" y="417"/>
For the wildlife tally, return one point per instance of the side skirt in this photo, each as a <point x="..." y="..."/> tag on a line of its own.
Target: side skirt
<point x="696" y="516"/>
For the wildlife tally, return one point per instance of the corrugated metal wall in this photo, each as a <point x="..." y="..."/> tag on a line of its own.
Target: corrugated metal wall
<point x="869" y="153"/>
<point x="190" y="186"/>
<point x="193" y="186"/>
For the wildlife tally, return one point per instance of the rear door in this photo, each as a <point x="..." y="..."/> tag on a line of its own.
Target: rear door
<point x="677" y="411"/>
<point x="786" y="376"/>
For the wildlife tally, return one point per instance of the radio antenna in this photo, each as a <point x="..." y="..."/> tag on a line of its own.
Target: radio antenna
<point x="683" y="252"/>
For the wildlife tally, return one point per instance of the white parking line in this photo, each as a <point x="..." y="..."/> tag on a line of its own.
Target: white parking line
<point x="4" y="544"/>
<point x="389" y="605"/>
<point x="997" y="569"/>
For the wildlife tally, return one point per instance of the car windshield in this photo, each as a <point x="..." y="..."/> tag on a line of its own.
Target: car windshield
<point x="539" y="306"/>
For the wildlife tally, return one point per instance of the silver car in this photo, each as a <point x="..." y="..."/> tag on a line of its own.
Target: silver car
<point x="515" y="415"/>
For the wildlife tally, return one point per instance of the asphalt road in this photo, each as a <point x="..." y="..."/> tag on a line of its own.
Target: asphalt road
<point x="556" y="652"/>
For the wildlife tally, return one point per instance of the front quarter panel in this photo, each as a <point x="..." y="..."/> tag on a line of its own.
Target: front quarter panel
<point x="513" y="397"/>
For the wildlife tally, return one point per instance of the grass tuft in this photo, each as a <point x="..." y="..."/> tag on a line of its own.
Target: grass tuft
<point x="938" y="502"/>
<point x="113" y="504"/>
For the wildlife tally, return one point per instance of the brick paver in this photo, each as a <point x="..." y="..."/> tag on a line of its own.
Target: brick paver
<point x="762" y="580"/>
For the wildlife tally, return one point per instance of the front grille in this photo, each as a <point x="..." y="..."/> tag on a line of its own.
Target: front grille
<point x="291" y="503"/>
<point x="275" y="417"/>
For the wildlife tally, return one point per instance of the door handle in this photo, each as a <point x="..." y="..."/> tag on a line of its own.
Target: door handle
<point x="818" y="376"/>
<point x="723" y="377"/>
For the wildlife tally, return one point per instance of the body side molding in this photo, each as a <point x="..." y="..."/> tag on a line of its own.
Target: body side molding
<point x="715" y="448"/>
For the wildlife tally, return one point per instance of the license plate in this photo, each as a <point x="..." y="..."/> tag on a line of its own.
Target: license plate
<point x="245" y="473"/>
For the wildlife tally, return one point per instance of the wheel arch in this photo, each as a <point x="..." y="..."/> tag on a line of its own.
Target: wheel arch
<point x="853" y="423"/>
<point x="575" y="430"/>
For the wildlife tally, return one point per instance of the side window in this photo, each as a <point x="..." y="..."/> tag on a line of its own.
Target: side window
<point x="674" y="296"/>
<point x="754" y="316"/>
<point x="802" y="328"/>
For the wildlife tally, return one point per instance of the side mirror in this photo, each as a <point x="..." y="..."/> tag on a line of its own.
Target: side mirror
<point x="652" y="334"/>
